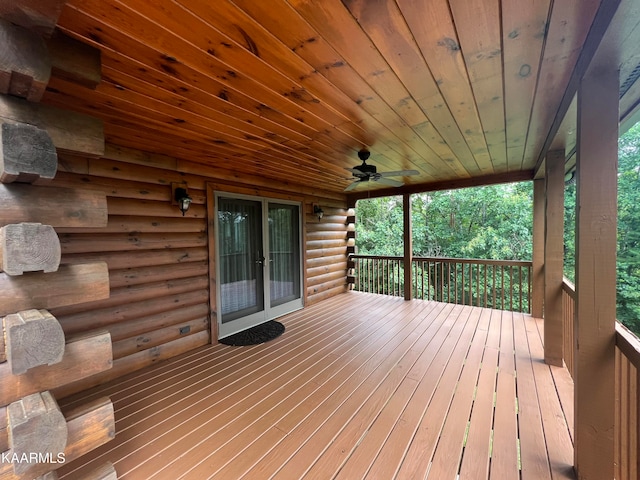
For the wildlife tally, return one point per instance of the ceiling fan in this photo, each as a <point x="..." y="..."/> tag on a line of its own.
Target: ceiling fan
<point x="365" y="172"/>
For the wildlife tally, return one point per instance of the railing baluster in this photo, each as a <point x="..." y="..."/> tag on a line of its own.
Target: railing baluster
<point x="448" y="282"/>
<point x="459" y="281"/>
<point x="485" y="285"/>
<point x="478" y="294"/>
<point x="520" y="287"/>
<point x="511" y="288"/>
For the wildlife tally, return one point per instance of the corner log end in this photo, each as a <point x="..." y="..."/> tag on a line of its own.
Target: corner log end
<point x="33" y="338"/>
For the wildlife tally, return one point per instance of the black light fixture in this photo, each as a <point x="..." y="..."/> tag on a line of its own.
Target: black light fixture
<point x="182" y="199"/>
<point x="318" y="211"/>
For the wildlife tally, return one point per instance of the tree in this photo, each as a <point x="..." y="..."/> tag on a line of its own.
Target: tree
<point x="488" y="222"/>
<point x="628" y="265"/>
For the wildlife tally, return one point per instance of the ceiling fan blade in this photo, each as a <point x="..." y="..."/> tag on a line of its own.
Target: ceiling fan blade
<point x="390" y="182"/>
<point x="352" y="186"/>
<point x="399" y="173"/>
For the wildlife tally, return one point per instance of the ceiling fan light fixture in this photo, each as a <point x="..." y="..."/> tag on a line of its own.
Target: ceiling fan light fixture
<point x="317" y="210"/>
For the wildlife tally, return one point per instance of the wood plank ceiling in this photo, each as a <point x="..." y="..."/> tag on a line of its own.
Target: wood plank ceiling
<point x="292" y="89"/>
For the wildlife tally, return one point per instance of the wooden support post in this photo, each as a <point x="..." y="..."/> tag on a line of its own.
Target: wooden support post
<point x="596" y="204"/>
<point x="27" y="153"/>
<point x="40" y="16"/>
<point x="408" y="246"/>
<point x="71" y="284"/>
<point x="553" y="258"/>
<point x="33" y="338"/>
<point x="83" y="356"/>
<point x="37" y="429"/>
<point x="70" y="131"/>
<point x="25" y="68"/>
<point x="58" y="207"/>
<point x="537" y="281"/>
<point x="88" y="427"/>
<point x="29" y="247"/>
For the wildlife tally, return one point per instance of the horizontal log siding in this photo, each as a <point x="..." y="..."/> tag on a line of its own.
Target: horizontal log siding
<point x="326" y="242"/>
<point x="158" y="260"/>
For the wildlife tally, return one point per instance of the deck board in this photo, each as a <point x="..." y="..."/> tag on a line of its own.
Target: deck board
<point x="359" y="386"/>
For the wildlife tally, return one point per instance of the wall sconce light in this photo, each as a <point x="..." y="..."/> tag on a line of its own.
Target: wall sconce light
<point x="318" y="211"/>
<point x="182" y="199"/>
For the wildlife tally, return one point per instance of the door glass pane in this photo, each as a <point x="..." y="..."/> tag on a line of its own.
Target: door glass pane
<point x="241" y="257"/>
<point x="284" y="256"/>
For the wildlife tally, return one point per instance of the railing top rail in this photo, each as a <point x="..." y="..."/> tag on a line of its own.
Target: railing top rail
<point x="628" y="344"/>
<point x="626" y="340"/>
<point x="514" y="263"/>
<point x="380" y="257"/>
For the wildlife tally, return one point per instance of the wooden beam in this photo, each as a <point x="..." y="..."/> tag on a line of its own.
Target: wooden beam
<point x="537" y="293"/>
<point x="74" y="61"/>
<point x="25" y="66"/>
<point x="88" y="427"/>
<point x="70" y="285"/>
<point x="83" y="356"/>
<point x="408" y="246"/>
<point x="553" y="258"/>
<point x="601" y="22"/>
<point x="36" y="426"/>
<point x="71" y="132"/>
<point x="39" y="16"/>
<point x="33" y="338"/>
<point x="58" y="207"/>
<point x="596" y="205"/>
<point x="480" y="181"/>
<point x="27" y="153"/>
<point x="28" y="247"/>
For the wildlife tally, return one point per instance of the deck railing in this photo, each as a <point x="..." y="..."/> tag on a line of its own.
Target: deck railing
<point x="568" y="313"/>
<point x="501" y="284"/>
<point x="627" y="373"/>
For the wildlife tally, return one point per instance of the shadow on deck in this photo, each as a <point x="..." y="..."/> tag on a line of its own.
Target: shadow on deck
<point x="360" y="385"/>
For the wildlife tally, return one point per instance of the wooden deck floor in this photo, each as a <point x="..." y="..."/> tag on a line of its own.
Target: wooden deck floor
<point x="359" y="386"/>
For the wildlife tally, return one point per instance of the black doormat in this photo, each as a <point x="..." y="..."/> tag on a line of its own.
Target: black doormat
<point x="255" y="335"/>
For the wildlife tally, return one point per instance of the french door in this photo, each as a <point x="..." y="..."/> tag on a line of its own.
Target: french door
<point x="259" y="267"/>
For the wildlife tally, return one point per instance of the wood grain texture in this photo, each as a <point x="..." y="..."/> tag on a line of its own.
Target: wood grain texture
<point x="25" y="66"/>
<point x="537" y="290"/>
<point x="33" y="338"/>
<point x="74" y="60"/>
<point x="89" y="426"/>
<point x="70" y="285"/>
<point x="28" y="247"/>
<point x="27" y="153"/>
<point x="37" y="15"/>
<point x="83" y="356"/>
<point x="596" y="218"/>
<point x="58" y="207"/>
<point x="290" y="91"/>
<point x="554" y="258"/>
<point x="69" y="131"/>
<point x="348" y="399"/>
<point x="36" y="425"/>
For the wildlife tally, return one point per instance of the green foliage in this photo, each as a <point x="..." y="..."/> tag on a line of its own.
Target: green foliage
<point x="495" y="222"/>
<point x="628" y="262"/>
<point x="628" y="287"/>
<point x="489" y="222"/>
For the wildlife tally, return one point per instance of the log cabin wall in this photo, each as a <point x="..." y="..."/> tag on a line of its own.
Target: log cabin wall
<point x="158" y="259"/>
